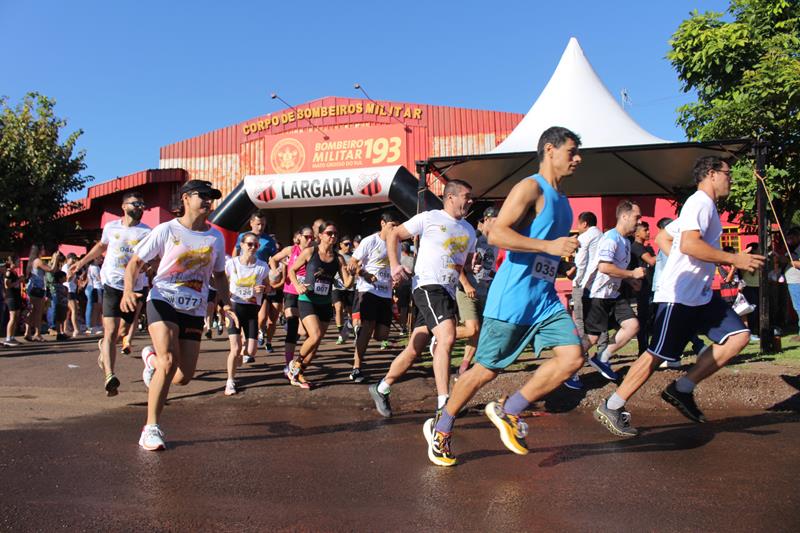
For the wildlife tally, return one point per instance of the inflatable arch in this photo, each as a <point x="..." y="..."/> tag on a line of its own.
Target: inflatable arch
<point x="393" y="184"/>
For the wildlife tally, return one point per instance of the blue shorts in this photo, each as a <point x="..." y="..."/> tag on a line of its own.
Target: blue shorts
<point x="501" y="343"/>
<point x="675" y="324"/>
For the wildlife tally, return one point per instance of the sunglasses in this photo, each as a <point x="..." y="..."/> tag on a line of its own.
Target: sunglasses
<point x="331" y="233"/>
<point x="307" y="236"/>
<point x="348" y="243"/>
<point x="137" y="204"/>
<point x="203" y="195"/>
<point x="251" y="244"/>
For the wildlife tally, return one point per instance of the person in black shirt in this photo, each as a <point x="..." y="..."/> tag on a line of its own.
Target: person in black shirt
<point x="643" y="255"/>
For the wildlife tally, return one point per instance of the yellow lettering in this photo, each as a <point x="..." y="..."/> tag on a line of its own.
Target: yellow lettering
<point x="418" y="113"/>
<point x="382" y="111"/>
<point x="284" y="118"/>
<point x="315" y="112"/>
<point x="407" y="113"/>
<point x="351" y="108"/>
<point x="331" y="110"/>
<point x="263" y="125"/>
<point x="371" y="108"/>
<point x="359" y="108"/>
<point x="291" y="116"/>
<point x="275" y="121"/>
<point x="324" y="112"/>
<point x="246" y="129"/>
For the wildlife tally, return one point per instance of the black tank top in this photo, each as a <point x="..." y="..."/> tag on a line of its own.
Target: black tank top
<point x="319" y="276"/>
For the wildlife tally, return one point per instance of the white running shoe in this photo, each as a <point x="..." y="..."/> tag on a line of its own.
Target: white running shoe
<point x="152" y="438"/>
<point x="147" y="373"/>
<point x="246" y="359"/>
<point x="230" y="388"/>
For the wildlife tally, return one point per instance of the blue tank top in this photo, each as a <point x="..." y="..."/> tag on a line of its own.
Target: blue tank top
<point x="523" y="290"/>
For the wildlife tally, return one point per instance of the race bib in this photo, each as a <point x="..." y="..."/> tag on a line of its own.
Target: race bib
<point x="186" y="300"/>
<point x="322" y="287"/>
<point x="381" y="287"/>
<point x="448" y="277"/>
<point x="245" y="293"/>
<point x="545" y="268"/>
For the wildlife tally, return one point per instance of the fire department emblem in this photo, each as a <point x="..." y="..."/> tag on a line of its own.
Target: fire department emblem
<point x="369" y="184"/>
<point x="288" y="155"/>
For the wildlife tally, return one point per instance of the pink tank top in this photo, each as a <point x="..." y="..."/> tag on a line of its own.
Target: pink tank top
<point x="288" y="286"/>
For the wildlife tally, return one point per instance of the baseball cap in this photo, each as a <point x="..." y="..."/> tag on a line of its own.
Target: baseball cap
<point x="201" y="187"/>
<point x="491" y="211"/>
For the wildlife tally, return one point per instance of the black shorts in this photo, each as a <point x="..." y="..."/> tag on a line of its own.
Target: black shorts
<point x="374" y="308"/>
<point x="111" y="300"/>
<point x="434" y="305"/>
<point x="346" y="297"/>
<point x="212" y="296"/>
<point x="323" y="312"/>
<point x="675" y="324"/>
<point x="600" y="314"/>
<point x="275" y="297"/>
<point x="248" y="320"/>
<point x="72" y="296"/>
<point x="289" y="300"/>
<point x="190" y="327"/>
<point x="36" y="292"/>
<point x="403" y="293"/>
<point x="61" y="313"/>
<point x="13" y="299"/>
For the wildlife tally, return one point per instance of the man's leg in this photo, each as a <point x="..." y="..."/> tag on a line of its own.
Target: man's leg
<point x="108" y="353"/>
<point x="445" y="334"/>
<point x="718" y="356"/>
<point x="419" y="339"/>
<point x="362" y="341"/>
<point x="165" y="342"/>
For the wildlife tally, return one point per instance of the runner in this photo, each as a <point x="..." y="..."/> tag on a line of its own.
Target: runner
<point x="117" y="241"/>
<point x="320" y="263"/>
<point x="270" y="306"/>
<point x="279" y="265"/>
<point x="522" y="306"/>
<point x="72" y="294"/>
<point x="13" y="296"/>
<point x="343" y="297"/>
<point x="402" y="290"/>
<point x="686" y="304"/>
<point x="604" y="304"/>
<point x="446" y="244"/>
<point x="374" y="286"/>
<point x="190" y="252"/>
<point x="35" y="272"/>
<point x="246" y="277"/>
<point x="643" y="255"/>
<point x="471" y="297"/>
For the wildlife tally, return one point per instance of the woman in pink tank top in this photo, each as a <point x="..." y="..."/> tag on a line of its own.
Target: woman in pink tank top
<point x="279" y="263"/>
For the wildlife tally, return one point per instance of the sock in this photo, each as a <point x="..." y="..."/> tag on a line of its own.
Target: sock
<point x="606" y="355"/>
<point x="445" y="423"/>
<point x="441" y="400"/>
<point x="685" y="385"/>
<point x="288" y="355"/>
<point x="615" y="402"/>
<point x="383" y="387"/>
<point x="515" y="404"/>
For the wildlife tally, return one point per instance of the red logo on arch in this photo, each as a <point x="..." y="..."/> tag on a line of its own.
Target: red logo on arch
<point x="369" y="184"/>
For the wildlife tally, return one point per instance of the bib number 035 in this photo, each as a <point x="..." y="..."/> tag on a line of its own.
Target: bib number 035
<point x="545" y="268"/>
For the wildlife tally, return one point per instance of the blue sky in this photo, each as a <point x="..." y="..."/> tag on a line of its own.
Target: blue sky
<point x="138" y="75"/>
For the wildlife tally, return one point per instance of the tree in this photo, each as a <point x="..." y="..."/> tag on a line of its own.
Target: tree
<point x="37" y="171"/>
<point x="745" y="70"/>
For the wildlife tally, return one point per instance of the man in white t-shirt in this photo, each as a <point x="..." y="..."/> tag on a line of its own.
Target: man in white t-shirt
<point x="374" y="285"/>
<point x="686" y="304"/>
<point x="446" y="243"/>
<point x="605" y="304"/>
<point x="117" y="242"/>
<point x="191" y="252"/>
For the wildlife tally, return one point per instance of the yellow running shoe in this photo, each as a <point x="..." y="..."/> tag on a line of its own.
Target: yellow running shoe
<point x="512" y="429"/>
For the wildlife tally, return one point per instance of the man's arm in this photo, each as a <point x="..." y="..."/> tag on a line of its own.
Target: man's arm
<point x="518" y="204"/>
<point x="400" y="233"/>
<point x="648" y="258"/>
<point x="130" y="298"/>
<point x="693" y="245"/>
<point x="610" y="269"/>
<point x="462" y="277"/>
<point x="96" y="251"/>
<point x="664" y="241"/>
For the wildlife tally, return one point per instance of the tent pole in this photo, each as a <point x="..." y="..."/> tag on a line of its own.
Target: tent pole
<point x="765" y="241"/>
<point x="422" y="172"/>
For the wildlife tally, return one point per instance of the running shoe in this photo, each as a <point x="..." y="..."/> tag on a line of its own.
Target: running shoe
<point x="430" y="424"/>
<point x="385" y="345"/>
<point x="574" y="383"/>
<point x="755" y="338"/>
<point x="126" y="347"/>
<point x="112" y="384"/>
<point x="617" y="421"/>
<point x="684" y="401"/>
<point x="246" y="359"/>
<point x="381" y="401"/>
<point x="670" y="364"/>
<point x="347" y="330"/>
<point x="219" y="329"/>
<point x="268" y="347"/>
<point x="603" y="368"/>
<point x="339" y="340"/>
<point x="152" y="438"/>
<point x="61" y="337"/>
<point x="260" y="339"/>
<point x="512" y="428"/>
<point x="10" y="342"/>
<point x="356" y="376"/>
<point x="287" y="372"/>
<point x="439" y="449"/>
<point x="296" y="377"/>
<point x="208" y="333"/>
<point x="230" y="388"/>
<point x="147" y="373"/>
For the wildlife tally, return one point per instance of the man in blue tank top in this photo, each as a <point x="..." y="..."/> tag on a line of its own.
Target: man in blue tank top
<point x="522" y="306"/>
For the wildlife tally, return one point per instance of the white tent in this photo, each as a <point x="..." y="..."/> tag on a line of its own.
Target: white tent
<point x="619" y="156"/>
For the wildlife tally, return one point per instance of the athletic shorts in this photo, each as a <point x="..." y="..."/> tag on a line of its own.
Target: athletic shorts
<point x="469" y="308"/>
<point x="289" y="300"/>
<point x="346" y="297"/>
<point x="275" y="297"/>
<point x="501" y="343"/>
<point x="72" y="296"/>
<point x="600" y="314"/>
<point x="376" y="309"/>
<point x="13" y="299"/>
<point x="434" y="305"/>
<point x="190" y="327"/>
<point x="323" y="312"/>
<point x="111" y="300"/>
<point x="212" y="296"/>
<point x="403" y="293"/>
<point x="248" y="320"/>
<point x="675" y="324"/>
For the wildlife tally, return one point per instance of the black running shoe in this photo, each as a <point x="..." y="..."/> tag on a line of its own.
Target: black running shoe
<point x="617" y="421"/>
<point x="381" y="401"/>
<point x="684" y="402"/>
<point x="112" y="384"/>
<point x="356" y="376"/>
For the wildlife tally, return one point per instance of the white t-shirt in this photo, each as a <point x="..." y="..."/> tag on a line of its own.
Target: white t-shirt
<point x="188" y="258"/>
<point x="372" y="254"/>
<point x="120" y="241"/>
<point x="242" y="280"/>
<point x="685" y="279"/>
<point x="615" y="249"/>
<point x="586" y="255"/>
<point x="93" y="276"/>
<point x="443" y="248"/>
